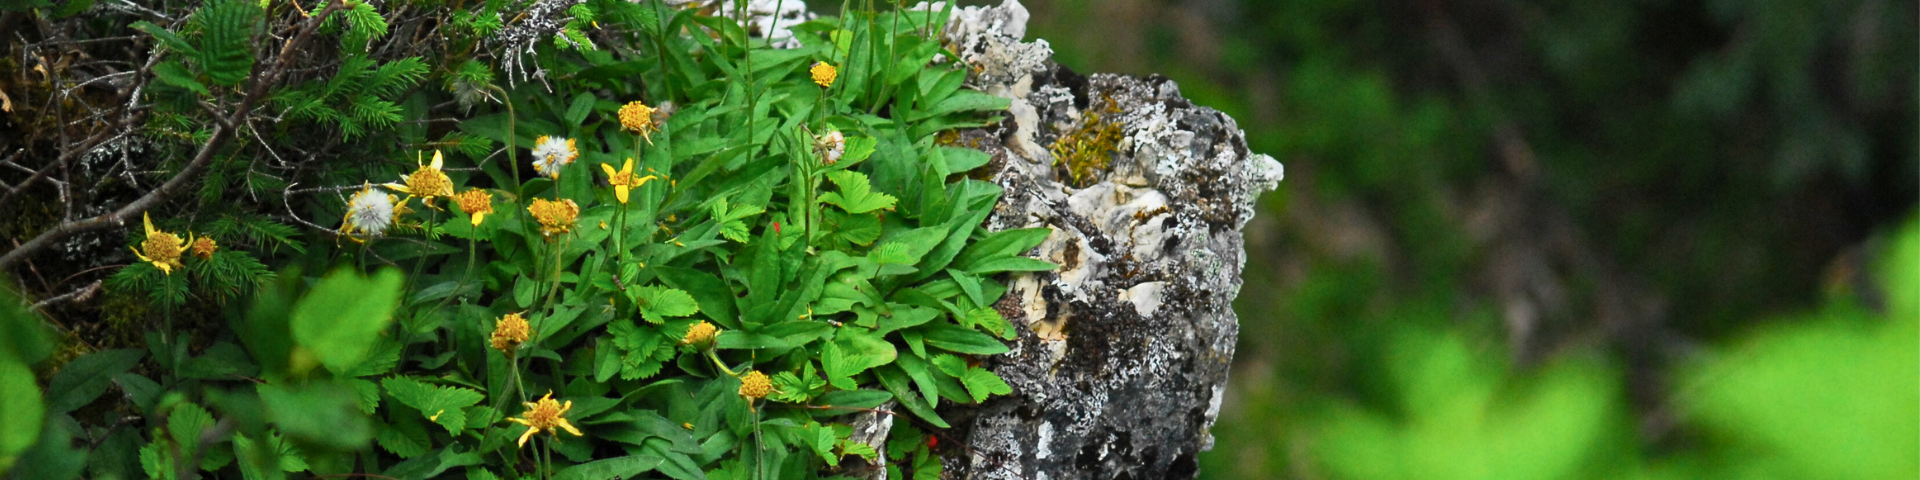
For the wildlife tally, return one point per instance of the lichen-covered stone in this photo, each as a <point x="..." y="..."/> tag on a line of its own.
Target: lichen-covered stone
<point x="1123" y="353"/>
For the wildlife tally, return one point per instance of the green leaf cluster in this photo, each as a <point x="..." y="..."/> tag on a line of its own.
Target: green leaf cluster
<point x="461" y="345"/>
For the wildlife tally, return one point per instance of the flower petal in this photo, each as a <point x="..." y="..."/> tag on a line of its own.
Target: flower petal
<point x="436" y="160"/>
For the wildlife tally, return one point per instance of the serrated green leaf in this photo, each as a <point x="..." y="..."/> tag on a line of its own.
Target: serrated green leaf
<point x="990" y="319"/>
<point x="981" y="383"/>
<point x="185" y="424"/>
<point x="226" y="40"/>
<point x="439" y="404"/>
<point x="856" y="194"/>
<point x="657" y="303"/>
<point x="951" y="365"/>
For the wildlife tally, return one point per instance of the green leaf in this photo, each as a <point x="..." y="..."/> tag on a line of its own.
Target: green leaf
<point x="439" y="404"/>
<point x="1003" y="243"/>
<point x="657" y="302"/>
<point x="962" y="101"/>
<point x="961" y="340"/>
<point x="582" y="105"/>
<point x="951" y="365"/>
<point x="317" y="413"/>
<point x="1010" y="264"/>
<point x="173" y="73"/>
<point x="858" y="148"/>
<point x="20" y="399"/>
<point x="167" y="37"/>
<point x="186" y="422"/>
<point x="612" y="468"/>
<point x="856" y="194"/>
<point x="338" y="321"/>
<point x="226" y="40"/>
<point x="712" y="295"/>
<point x="981" y="383"/>
<point x="85" y="378"/>
<point x="990" y="319"/>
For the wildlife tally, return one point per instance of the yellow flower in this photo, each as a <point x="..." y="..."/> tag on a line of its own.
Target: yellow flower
<point x="637" y="117"/>
<point x="700" y="334"/>
<point x="755" y="385"/>
<point x="554" y="217"/>
<point x="509" y="333"/>
<point x="545" y="414"/>
<point x="823" y="73"/>
<point x="204" y="247"/>
<point x="162" y="249"/>
<point x="624" y="180"/>
<point x="427" y="182"/>
<point x="477" y="203"/>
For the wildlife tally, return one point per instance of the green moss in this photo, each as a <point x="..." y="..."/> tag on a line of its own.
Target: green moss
<point x="1087" y="149"/>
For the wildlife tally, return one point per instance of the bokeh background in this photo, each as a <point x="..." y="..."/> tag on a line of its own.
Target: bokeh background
<point x="1557" y="239"/>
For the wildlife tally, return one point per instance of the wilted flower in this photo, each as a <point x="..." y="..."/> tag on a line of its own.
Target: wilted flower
<point x="204" y="247"/>
<point x="554" y="216"/>
<point x="509" y="332"/>
<point x="830" y="146"/>
<point x="637" y="117"/>
<point x="551" y="153"/>
<point x="545" y="414"/>
<point x="160" y="248"/>
<point x="370" y="211"/>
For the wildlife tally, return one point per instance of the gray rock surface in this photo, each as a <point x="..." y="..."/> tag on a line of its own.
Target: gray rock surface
<point x="1123" y="353"/>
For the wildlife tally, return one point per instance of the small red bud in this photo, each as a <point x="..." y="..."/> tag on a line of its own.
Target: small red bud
<point x="776" y="228"/>
<point x="933" y="441"/>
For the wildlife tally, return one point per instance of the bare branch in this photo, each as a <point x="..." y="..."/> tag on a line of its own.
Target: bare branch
<point x="261" y="81"/>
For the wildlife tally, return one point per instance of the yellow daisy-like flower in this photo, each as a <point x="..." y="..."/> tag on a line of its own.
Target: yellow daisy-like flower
<point x="545" y="414"/>
<point x="755" y="385"/>
<point x="162" y="249"/>
<point x="824" y="73"/>
<point x="624" y="179"/>
<point x="637" y="117"/>
<point x="428" y="182"/>
<point x="554" y="216"/>
<point x="477" y="203"/>
<point x="701" y="334"/>
<point x="204" y="247"/>
<point x="508" y="333"/>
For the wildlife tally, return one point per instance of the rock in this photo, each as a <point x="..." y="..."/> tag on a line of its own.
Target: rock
<point x="1123" y="353"/>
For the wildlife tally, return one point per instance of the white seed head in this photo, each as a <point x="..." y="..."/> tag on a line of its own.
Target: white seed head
<point x="370" y="211"/>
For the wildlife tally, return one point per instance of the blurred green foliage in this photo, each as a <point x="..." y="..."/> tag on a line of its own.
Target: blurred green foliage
<point x="1724" y="160"/>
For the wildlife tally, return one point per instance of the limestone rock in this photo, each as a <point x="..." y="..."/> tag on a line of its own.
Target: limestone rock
<point x="1123" y="353"/>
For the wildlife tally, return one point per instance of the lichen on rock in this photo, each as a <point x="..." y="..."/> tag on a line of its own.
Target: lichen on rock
<point x="1123" y="352"/>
